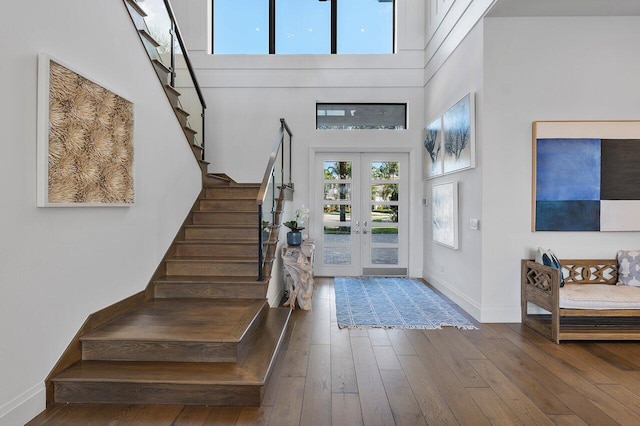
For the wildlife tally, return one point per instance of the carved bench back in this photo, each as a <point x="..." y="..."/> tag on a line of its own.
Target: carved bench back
<point x="590" y="271"/>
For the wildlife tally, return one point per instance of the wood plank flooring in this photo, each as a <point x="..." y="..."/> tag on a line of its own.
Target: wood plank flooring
<point x="501" y="374"/>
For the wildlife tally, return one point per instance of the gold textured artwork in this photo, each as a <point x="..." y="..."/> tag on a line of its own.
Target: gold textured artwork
<point x="90" y="142"/>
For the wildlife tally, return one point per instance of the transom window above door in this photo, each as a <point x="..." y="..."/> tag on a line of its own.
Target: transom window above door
<point x="352" y="116"/>
<point x="303" y="26"/>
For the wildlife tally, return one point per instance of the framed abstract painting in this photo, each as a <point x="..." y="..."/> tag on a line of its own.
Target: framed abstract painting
<point x="458" y="135"/>
<point x="84" y="140"/>
<point x="432" y="153"/>
<point x="444" y="218"/>
<point x="586" y="176"/>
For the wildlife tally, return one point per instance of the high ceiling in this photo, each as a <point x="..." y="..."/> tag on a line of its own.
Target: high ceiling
<point x="503" y="8"/>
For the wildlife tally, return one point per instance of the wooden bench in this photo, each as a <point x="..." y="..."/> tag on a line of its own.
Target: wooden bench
<point x="541" y="287"/>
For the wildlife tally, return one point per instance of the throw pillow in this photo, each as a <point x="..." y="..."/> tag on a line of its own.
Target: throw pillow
<point x="548" y="258"/>
<point x="629" y="267"/>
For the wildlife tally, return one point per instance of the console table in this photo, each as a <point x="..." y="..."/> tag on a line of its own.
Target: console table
<point x="297" y="265"/>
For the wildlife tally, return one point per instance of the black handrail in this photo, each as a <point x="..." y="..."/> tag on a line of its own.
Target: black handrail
<point x="167" y="16"/>
<point x="269" y="180"/>
<point x="178" y="35"/>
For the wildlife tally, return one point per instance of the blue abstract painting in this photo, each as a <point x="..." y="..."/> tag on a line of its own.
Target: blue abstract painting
<point x="568" y="184"/>
<point x="568" y="169"/>
<point x="568" y="215"/>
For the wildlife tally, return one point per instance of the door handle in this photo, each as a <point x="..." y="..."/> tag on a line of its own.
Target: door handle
<point x="357" y="228"/>
<point x="364" y="229"/>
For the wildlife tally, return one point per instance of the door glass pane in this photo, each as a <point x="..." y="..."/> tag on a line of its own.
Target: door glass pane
<point x="335" y="213"/>
<point x="385" y="170"/>
<point x="337" y="234"/>
<point x="384" y="256"/>
<point x="336" y="255"/>
<point x="337" y="191"/>
<point x="386" y="235"/>
<point x="337" y="170"/>
<point x="384" y="213"/>
<point x="386" y="192"/>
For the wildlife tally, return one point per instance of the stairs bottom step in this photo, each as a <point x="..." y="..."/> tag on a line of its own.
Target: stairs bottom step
<point x="151" y="393"/>
<point x="183" y="383"/>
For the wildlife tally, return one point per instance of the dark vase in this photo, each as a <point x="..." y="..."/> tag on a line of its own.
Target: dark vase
<point x="294" y="238"/>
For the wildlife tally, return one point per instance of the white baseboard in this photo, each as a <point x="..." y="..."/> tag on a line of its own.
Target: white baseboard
<point x="24" y="407"/>
<point x="472" y="307"/>
<point x="483" y="314"/>
<point x="501" y="314"/>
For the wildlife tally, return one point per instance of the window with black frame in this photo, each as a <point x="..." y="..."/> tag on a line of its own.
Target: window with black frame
<point x="303" y="26"/>
<point x="352" y="116"/>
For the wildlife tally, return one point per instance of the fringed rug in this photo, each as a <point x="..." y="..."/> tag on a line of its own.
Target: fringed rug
<point x="375" y="302"/>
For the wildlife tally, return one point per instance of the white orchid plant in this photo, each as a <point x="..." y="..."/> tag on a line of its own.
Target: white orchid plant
<point x="301" y="216"/>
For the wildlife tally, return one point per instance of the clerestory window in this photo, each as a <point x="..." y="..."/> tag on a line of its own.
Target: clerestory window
<point x="303" y="26"/>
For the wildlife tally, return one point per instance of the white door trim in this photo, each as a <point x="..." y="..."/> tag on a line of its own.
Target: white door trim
<point x="312" y="182"/>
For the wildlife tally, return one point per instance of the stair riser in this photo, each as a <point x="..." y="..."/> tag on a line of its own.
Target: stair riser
<point x="162" y="73"/>
<point x="249" y="339"/>
<point x="233" y="193"/>
<point x="215" y="233"/>
<point x="228" y="205"/>
<point x="157" y="393"/>
<point x="218" y="250"/>
<point x="215" y="268"/>
<point x="236" y="218"/>
<point x="210" y="291"/>
<point x="159" y="351"/>
<point x="181" y="117"/>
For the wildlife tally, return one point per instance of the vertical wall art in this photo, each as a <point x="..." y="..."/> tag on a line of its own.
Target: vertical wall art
<point x="432" y="154"/>
<point x="85" y="140"/>
<point x="445" y="214"/>
<point x="458" y="135"/>
<point x="586" y="176"/>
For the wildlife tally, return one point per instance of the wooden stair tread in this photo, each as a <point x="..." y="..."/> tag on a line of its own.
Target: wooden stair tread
<point x="204" y="259"/>
<point x="182" y="320"/>
<point x="181" y="111"/>
<point x="223" y="226"/>
<point x="137" y="7"/>
<point x="241" y="241"/>
<point x="254" y="211"/>
<point x="173" y="90"/>
<point x="160" y="65"/>
<point x="143" y="33"/>
<point x="157" y="372"/>
<point x="207" y="279"/>
<point x="254" y="370"/>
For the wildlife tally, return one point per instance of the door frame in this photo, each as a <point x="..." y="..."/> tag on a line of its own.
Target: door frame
<point x="313" y="204"/>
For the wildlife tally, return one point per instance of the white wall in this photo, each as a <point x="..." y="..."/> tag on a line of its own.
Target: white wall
<point x="544" y="69"/>
<point x="457" y="272"/>
<point x="248" y="94"/>
<point x="58" y="265"/>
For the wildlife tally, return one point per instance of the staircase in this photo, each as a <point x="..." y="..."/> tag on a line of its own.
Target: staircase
<point x="202" y="333"/>
<point x="207" y="336"/>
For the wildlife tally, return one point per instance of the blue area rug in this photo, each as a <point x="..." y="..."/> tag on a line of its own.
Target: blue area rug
<point x="375" y="302"/>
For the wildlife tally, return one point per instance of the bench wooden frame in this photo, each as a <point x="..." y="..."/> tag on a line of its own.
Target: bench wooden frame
<point x="541" y="287"/>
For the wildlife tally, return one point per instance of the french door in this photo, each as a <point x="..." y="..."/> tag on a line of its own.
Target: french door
<point x="361" y="201"/>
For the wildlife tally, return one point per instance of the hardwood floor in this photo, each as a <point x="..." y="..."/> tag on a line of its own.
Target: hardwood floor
<point x="501" y="374"/>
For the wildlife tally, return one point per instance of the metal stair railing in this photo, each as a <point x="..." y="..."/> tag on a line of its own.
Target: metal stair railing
<point x="275" y="183"/>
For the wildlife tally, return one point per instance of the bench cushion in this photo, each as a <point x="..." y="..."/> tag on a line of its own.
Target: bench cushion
<point x="599" y="296"/>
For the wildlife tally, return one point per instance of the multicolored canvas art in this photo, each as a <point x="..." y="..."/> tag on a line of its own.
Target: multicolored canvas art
<point x="586" y="176"/>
